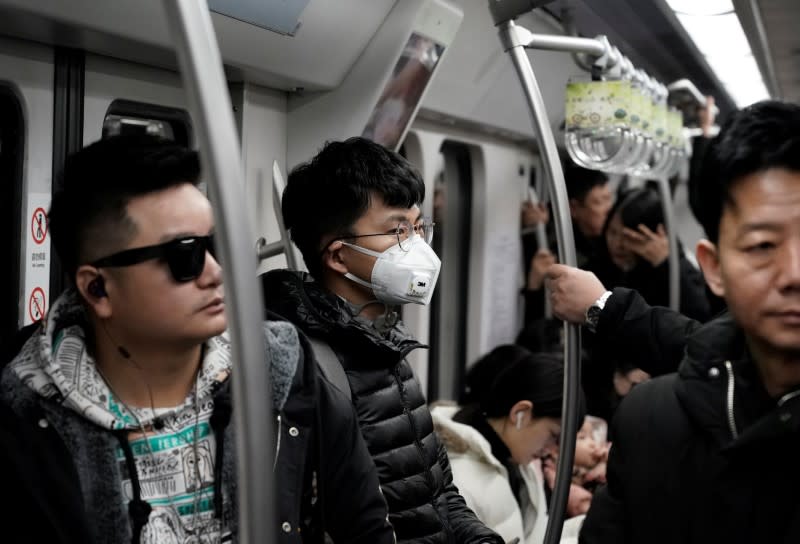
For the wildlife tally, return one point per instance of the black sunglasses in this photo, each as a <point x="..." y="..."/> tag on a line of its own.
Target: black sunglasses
<point x="186" y="257"/>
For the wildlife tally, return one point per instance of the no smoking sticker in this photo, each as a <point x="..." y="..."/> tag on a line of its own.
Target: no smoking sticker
<point x="37" y="304"/>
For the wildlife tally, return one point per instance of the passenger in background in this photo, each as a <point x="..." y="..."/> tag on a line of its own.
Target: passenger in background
<point x="353" y="211"/>
<point x="115" y="411"/>
<point x="511" y="419"/>
<point x="735" y="401"/>
<point x="590" y="200"/>
<point x="636" y="254"/>
<point x="591" y="457"/>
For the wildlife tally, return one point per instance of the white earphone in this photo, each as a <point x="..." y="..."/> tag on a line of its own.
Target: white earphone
<point x="519" y="420"/>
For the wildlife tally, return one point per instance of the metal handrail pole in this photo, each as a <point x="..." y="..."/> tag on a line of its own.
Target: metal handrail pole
<point x="204" y="81"/>
<point x="573" y="44"/>
<point x="674" y="261"/>
<point x="273" y="249"/>
<point x="278" y="186"/>
<point x="567" y="255"/>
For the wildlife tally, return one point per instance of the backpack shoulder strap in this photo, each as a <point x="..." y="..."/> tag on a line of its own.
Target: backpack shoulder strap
<point x="328" y="362"/>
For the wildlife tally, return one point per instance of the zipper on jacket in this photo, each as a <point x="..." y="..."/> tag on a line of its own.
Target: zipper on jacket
<point x="787" y="397"/>
<point x="277" y="445"/>
<point x="731" y="387"/>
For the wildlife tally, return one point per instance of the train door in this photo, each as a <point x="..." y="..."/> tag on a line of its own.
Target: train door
<point x="452" y="209"/>
<point x="26" y="121"/>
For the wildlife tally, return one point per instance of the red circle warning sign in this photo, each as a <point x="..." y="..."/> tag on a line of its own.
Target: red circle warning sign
<point x="39" y="225"/>
<point x="37" y="304"/>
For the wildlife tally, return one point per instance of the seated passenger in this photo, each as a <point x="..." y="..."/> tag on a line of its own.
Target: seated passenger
<point x="353" y="211"/>
<point x="496" y="441"/>
<point x="545" y="335"/>
<point x="116" y="409"/>
<point x="685" y="444"/>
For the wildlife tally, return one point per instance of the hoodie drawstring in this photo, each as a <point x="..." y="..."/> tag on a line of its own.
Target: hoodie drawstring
<point x="731" y="388"/>
<point x="138" y="509"/>
<point x="220" y="418"/>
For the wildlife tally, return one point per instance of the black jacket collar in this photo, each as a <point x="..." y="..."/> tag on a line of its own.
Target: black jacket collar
<point x="718" y="361"/>
<point x="319" y="313"/>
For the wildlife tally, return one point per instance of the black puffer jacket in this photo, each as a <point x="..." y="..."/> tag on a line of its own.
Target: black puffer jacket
<point x="703" y="456"/>
<point x="424" y="505"/>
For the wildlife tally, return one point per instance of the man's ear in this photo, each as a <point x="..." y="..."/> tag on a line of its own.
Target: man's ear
<point x="93" y="288"/>
<point x="708" y="259"/>
<point x="333" y="259"/>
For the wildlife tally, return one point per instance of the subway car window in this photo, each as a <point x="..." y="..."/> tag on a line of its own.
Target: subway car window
<point x="126" y="116"/>
<point x="12" y="132"/>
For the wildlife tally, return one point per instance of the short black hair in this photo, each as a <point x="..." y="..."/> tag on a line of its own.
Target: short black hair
<point x="88" y="212"/>
<point x="580" y="181"/>
<point x="640" y="206"/>
<point x="541" y="335"/>
<point x="327" y="195"/>
<point x="762" y="136"/>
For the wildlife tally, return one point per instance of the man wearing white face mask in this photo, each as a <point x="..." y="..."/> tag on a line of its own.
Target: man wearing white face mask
<point x="353" y="211"/>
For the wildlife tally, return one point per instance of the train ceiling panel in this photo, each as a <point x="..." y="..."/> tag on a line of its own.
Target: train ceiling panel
<point x="781" y="20"/>
<point x="317" y="57"/>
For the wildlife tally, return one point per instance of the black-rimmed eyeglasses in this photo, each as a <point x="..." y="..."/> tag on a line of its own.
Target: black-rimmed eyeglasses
<point x="185" y="257"/>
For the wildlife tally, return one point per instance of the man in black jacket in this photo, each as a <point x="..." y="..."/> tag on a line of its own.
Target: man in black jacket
<point x="709" y="454"/>
<point x="353" y="211"/>
<point x="115" y="411"/>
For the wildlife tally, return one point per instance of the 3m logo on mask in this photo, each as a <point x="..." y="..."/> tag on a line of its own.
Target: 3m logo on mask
<point x="419" y="285"/>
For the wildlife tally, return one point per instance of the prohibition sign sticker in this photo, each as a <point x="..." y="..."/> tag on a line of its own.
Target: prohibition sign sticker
<point x="39" y="225"/>
<point x="36" y="304"/>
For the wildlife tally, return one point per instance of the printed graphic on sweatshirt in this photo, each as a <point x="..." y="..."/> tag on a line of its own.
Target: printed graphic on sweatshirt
<point x="177" y="479"/>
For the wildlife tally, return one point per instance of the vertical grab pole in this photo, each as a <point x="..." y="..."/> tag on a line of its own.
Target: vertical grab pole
<point x="566" y="255"/>
<point x="201" y="67"/>
<point x="674" y="259"/>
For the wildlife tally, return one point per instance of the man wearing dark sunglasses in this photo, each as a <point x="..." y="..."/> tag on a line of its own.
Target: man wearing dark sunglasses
<point x="353" y="211"/>
<point x="115" y="411"/>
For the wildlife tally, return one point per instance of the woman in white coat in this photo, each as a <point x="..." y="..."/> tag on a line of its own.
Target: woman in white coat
<point x="511" y="419"/>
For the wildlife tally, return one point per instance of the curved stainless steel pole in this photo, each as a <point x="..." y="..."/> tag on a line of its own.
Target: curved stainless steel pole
<point x="674" y="261"/>
<point x="566" y="255"/>
<point x="210" y="104"/>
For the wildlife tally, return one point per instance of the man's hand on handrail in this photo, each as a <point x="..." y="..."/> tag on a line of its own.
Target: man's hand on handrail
<point x="572" y="291"/>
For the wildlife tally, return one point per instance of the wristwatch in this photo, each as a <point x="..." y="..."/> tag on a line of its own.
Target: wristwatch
<point x="593" y="312"/>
